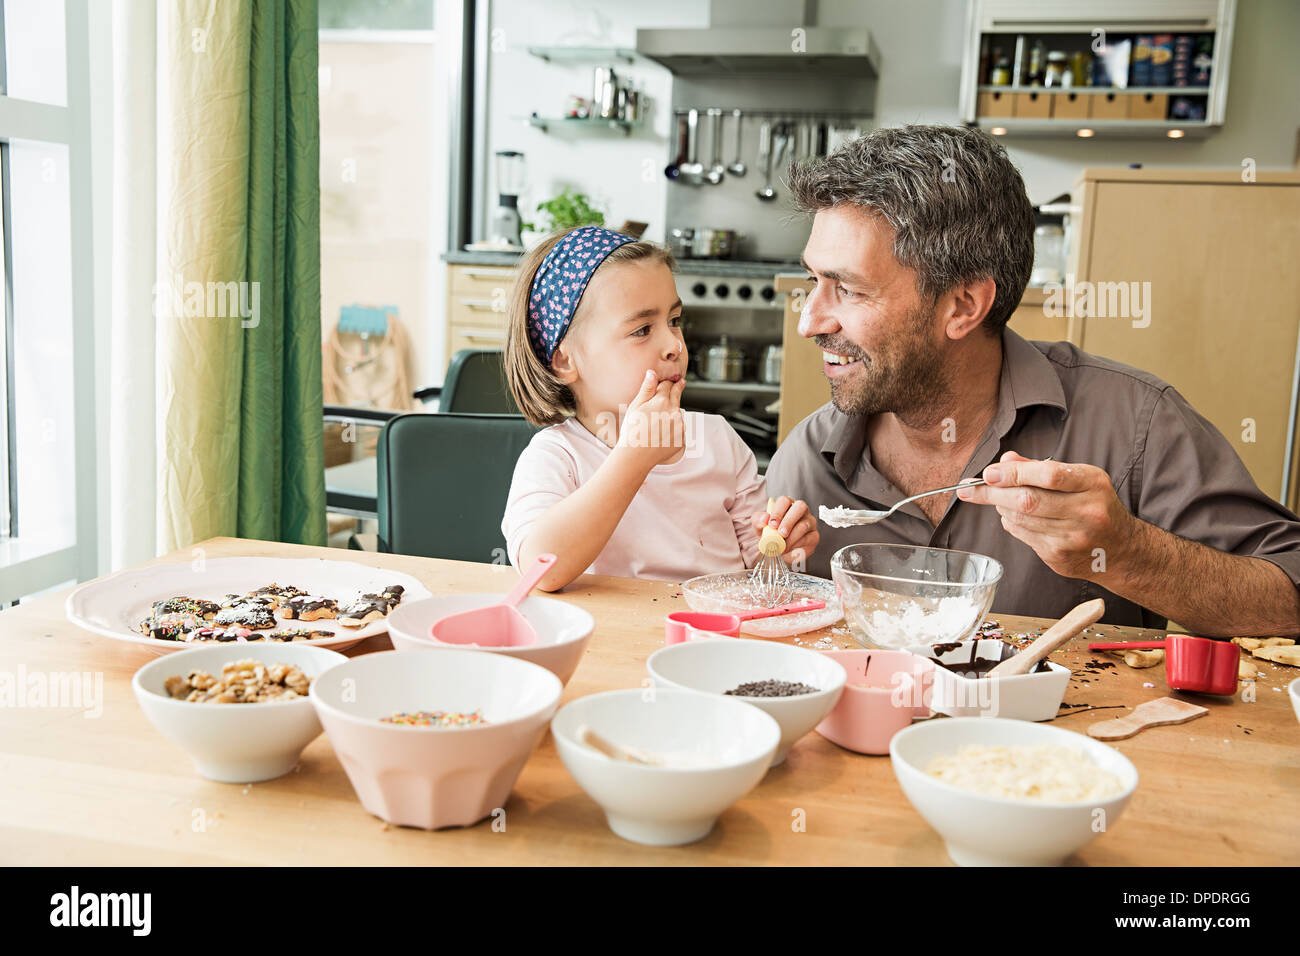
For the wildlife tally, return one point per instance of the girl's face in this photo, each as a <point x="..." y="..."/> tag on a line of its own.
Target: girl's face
<point x="629" y="322"/>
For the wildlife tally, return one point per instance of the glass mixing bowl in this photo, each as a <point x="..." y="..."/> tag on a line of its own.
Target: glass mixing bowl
<point x="894" y="595"/>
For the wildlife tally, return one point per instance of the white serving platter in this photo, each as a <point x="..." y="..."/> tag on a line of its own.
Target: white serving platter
<point x="114" y="606"/>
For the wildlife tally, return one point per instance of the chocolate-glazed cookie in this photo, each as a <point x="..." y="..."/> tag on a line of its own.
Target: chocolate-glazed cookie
<point x="248" y="614"/>
<point x="307" y="607"/>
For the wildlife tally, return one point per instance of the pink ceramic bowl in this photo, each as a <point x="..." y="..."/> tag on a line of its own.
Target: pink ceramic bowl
<point x="879" y="700"/>
<point x="563" y="629"/>
<point x="433" y="777"/>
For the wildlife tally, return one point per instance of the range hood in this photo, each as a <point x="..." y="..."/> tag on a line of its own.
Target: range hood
<point x="728" y="50"/>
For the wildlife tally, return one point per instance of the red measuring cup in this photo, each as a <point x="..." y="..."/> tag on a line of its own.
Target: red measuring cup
<point x="1195" y="664"/>
<point x="678" y="625"/>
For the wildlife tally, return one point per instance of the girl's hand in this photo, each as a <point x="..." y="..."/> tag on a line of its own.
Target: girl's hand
<point x="654" y="425"/>
<point x="797" y="525"/>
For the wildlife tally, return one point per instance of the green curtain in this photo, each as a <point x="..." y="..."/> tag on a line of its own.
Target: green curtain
<point x="240" y="445"/>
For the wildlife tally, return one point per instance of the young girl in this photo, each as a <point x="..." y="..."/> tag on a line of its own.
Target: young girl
<point x="623" y="482"/>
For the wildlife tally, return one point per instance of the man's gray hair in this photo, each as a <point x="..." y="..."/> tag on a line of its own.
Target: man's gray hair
<point x="957" y="206"/>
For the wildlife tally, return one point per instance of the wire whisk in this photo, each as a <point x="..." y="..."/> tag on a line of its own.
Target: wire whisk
<point x="770" y="580"/>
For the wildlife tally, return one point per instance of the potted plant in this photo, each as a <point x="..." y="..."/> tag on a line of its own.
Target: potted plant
<point x="568" y="210"/>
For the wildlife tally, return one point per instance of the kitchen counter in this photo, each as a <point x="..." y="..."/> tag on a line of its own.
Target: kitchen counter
<point x="112" y="790"/>
<point x="731" y="268"/>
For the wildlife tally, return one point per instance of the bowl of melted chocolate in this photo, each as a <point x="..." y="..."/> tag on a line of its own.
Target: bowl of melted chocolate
<point x="962" y="687"/>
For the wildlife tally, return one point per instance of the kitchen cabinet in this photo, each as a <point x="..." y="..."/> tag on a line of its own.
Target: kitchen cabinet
<point x="477" y="298"/>
<point x="1163" y="70"/>
<point x="1214" y="258"/>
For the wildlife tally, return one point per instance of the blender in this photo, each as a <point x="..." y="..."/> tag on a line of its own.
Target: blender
<point x="503" y="229"/>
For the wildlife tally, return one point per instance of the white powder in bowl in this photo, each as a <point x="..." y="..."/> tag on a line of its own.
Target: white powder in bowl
<point x="913" y="621"/>
<point x="1042" y="773"/>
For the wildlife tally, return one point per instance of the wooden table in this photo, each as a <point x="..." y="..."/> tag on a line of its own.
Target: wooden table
<point x="1221" y="790"/>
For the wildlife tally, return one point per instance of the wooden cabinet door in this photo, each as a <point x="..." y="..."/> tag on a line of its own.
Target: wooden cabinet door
<point x="1224" y="304"/>
<point x="804" y="386"/>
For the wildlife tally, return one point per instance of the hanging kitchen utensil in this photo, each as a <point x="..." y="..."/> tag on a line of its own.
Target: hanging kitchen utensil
<point x="821" y="140"/>
<point x="692" y="171"/>
<point x="718" y="171"/>
<point x="673" y="169"/>
<point x="767" y="193"/>
<point x="737" y="168"/>
<point x="803" y="147"/>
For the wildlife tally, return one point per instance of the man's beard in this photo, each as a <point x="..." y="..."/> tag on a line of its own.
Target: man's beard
<point x="907" y="376"/>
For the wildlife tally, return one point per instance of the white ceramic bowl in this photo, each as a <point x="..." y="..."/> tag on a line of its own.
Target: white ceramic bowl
<point x="715" y="665"/>
<point x="234" y="743"/>
<point x="1294" y="689"/>
<point x="994" y="831"/>
<point x="433" y="777"/>
<point x="721" y="748"/>
<point x="563" y="630"/>
<point x="1022" y="697"/>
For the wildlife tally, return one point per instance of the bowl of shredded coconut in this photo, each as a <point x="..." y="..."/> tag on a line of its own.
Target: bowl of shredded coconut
<point x="896" y="595"/>
<point x="1005" y="792"/>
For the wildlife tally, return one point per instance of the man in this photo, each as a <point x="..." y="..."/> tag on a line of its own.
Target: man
<point x="921" y="247"/>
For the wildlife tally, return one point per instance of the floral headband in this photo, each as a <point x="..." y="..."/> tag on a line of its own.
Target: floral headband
<point x="560" y="281"/>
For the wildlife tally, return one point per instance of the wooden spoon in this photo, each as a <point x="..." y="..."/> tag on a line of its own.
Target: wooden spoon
<point x="613" y="751"/>
<point x="1058" y="635"/>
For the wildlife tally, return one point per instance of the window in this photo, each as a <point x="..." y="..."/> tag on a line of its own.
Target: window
<point x="47" y="534"/>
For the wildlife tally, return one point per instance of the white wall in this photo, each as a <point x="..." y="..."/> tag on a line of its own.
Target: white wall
<point x="623" y="175"/>
<point x="921" y="43"/>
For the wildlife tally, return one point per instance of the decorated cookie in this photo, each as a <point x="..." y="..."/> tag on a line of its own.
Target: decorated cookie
<point x="248" y="614"/>
<point x="310" y="608"/>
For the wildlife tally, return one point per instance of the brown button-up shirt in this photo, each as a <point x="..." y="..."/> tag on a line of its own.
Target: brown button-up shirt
<point x="1169" y="466"/>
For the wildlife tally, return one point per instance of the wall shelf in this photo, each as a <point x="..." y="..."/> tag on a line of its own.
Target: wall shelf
<point x="582" y="124"/>
<point x="580" y="55"/>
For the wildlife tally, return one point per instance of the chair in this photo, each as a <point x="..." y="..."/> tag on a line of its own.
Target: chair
<point x="443" y="481"/>
<point x="475" y="382"/>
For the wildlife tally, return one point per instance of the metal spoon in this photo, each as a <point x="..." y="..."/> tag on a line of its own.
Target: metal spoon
<point x="738" y="167"/>
<point x="691" y="172"/>
<point x="718" y="171"/>
<point x="765" y="151"/>
<point x="840" y="517"/>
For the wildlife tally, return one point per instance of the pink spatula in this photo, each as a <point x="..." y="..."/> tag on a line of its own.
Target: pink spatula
<point x="497" y="625"/>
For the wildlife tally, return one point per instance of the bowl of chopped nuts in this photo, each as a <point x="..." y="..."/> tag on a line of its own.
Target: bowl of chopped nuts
<point x="797" y="687"/>
<point x="241" y="711"/>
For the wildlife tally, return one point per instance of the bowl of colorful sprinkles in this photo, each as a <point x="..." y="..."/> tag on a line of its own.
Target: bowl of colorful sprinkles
<point x="797" y="687"/>
<point x="434" y="740"/>
<point x="1005" y="792"/>
<point x="241" y="711"/>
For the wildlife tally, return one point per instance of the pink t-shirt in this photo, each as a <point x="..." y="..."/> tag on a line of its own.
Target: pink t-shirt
<point x="690" y="517"/>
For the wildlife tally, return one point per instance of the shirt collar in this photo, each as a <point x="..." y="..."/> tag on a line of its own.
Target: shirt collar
<point x="1028" y="379"/>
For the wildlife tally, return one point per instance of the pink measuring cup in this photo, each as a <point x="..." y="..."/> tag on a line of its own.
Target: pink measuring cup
<point x="679" y="625"/>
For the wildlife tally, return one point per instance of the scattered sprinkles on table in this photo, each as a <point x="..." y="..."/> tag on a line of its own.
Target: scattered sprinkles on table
<point x="436" y="718"/>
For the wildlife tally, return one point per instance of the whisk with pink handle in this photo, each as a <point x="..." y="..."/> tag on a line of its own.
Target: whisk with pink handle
<point x="770" y="580"/>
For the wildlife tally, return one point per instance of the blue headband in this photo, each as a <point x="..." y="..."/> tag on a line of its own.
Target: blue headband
<point x="560" y="281"/>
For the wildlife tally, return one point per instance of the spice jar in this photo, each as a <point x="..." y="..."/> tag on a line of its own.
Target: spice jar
<point x="1056" y="69"/>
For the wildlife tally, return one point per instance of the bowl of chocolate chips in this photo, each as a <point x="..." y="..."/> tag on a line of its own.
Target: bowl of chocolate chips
<point x="797" y="687"/>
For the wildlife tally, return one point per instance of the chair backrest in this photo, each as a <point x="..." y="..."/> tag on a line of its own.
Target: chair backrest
<point x="476" y="383"/>
<point x="443" y="481"/>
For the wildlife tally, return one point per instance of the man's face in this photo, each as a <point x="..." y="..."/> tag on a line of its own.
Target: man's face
<point x="882" y="350"/>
